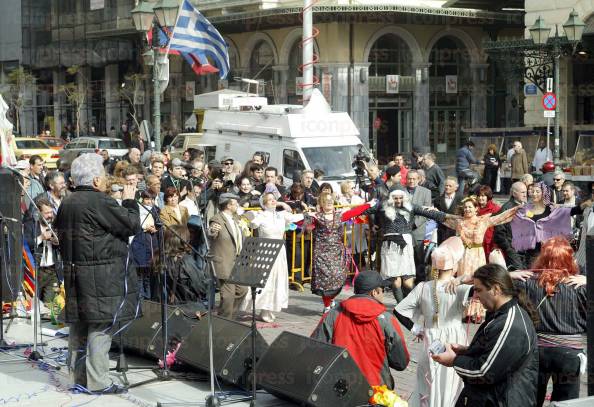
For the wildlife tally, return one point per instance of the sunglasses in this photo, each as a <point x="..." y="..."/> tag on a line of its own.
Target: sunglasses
<point x="228" y="163"/>
<point x="558" y="179"/>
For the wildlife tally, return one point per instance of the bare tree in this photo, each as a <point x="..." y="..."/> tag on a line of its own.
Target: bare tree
<point x="129" y="92"/>
<point x="76" y="93"/>
<point x="19" y="80"/>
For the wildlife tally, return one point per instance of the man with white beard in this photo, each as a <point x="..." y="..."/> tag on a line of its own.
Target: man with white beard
<point x="396" y="220"/>
<point x="56" y="185"/>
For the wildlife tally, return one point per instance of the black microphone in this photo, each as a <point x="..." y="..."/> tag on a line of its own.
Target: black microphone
<point x="3" y="218"/>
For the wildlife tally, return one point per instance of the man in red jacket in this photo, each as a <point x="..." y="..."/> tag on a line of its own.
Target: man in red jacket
<point x="371" y="334"/>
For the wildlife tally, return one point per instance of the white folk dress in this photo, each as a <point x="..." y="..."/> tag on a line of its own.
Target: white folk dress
<point x="275" y="294"/>
<point x="436" y="385"/>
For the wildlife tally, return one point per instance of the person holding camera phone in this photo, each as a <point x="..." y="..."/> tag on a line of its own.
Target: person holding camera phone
<point x="433" y="312"/>
<point x="500" y="366"/>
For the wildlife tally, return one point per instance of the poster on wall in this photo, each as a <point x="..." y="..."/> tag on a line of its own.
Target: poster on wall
<point x="190" y="91"/>
<point x="299" y="85"/>
<point x="451" y="84"/>
<point x="97" y="4"/>
<point x="327" y="86"/>
<point x="392" y="83"/>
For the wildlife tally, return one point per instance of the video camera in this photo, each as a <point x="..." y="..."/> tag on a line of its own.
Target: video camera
<point x="359" y="162"/>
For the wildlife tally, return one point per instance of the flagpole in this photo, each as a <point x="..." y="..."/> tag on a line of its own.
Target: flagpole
<point x="307" y="41"/>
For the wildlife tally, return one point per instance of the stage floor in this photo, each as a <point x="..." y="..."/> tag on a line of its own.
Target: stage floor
<point x="24" y="383"/>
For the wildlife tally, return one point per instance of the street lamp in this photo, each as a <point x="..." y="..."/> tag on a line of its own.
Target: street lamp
<point x="536" y="55"/>
<point x="149" y="16"/>
<point x="539" y="32"/>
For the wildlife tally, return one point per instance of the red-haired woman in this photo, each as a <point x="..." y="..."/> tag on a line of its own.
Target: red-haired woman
<point x="562" y="311"/>
<point x="487" y="206"/>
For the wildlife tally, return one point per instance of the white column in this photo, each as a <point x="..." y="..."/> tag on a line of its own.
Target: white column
<point x="421" y="107"/>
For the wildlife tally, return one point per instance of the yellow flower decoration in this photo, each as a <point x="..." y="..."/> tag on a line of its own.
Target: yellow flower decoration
<point x="529" y="214"/>
<point x="385" y="397"/>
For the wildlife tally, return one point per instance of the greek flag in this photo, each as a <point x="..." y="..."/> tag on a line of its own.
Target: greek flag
<point x="194" y="34"/>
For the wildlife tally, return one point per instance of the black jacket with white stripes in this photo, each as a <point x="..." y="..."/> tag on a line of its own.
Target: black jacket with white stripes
<point x="500" y="367"/>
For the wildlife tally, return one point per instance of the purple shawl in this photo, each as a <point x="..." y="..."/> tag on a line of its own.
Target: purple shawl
<point x="527" y="233"/>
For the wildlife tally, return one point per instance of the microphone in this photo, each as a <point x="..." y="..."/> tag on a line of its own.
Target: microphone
<point x="3" y="218"/>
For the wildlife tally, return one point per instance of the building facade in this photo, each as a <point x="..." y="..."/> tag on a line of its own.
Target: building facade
<point x="409" y="75"/>
<point x="576" y="96"/>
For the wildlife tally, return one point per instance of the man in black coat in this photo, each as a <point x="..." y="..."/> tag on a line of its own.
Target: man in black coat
<point x="448" y="203"/>
<point x="503" y="233"/>
<point x="100" y="281"/>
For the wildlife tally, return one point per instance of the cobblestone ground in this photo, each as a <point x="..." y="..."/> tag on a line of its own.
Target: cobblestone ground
<point x="305" y="311"/>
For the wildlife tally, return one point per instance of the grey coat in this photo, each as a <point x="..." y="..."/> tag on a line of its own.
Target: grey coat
<point x="421" y="197"/>
<point x="223" y="247"/>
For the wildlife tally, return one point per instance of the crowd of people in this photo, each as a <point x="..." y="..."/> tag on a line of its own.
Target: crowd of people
<point x="517" y="268"/>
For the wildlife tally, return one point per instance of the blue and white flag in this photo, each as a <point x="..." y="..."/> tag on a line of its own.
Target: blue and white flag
<point x="194" y="34"/>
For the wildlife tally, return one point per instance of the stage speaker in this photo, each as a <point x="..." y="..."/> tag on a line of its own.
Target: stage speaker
<point x="11" y="247"/>
<point x="232" y="350"/>
<point x="143" y="336"/>
<point x="312" y="373"/>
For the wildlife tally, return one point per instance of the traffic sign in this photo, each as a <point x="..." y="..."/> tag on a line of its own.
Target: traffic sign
<point x="549" y="85"/>
<point x="549" y="113"/>
<point x="549" y="101"/>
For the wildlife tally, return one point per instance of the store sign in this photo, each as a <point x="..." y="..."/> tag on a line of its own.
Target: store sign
<point x="190" y="91"/>
<point x="327" y="86"/>
<point x="97" y="4"/>
<point x="530" y="89"/>
<point x="392" y="84"/>
<point x="451" y="83"/>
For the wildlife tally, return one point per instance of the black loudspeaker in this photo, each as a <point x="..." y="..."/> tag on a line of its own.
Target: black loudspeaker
<point x="143" y="336"/>
<point x="312" y="373"/>
<point x="11" y="256"/>
<point x="232" y="350"/>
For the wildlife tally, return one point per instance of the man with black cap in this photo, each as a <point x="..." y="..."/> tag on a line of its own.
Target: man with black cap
<point x="226" y="238"/>
<point x="371" y="334"/>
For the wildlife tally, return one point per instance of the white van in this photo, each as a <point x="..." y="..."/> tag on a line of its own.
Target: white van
<point x="293" y="137"/>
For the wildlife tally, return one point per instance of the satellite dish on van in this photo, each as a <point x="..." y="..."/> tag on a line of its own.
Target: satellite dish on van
<point x="317" y="104"/>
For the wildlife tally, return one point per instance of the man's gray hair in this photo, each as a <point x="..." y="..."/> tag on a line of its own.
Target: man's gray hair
<point x="85" y="168"/>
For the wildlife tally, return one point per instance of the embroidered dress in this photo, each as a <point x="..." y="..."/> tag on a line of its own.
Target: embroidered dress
<point x="329" y="263"/>
<point x="397" y="252"/>
<point x="436" y="385"/>
<point x="472" y="232"/>
<point x="275" y="294"/>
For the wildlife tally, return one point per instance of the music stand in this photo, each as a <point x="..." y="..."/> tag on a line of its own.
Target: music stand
<point x="252" y="268"/>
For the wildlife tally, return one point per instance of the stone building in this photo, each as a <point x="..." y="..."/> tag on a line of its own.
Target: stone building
<point x="430" y="52"/>
<point x="576" y="98"/>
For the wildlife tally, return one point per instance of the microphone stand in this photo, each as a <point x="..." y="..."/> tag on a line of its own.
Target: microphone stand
<point x="164" y="373"/>
<point x="35" y="355"/>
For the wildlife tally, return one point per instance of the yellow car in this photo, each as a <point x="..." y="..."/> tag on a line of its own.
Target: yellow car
<point x="25" y="147"/>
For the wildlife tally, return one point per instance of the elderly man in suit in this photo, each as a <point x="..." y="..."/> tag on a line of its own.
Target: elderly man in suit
<point x="420" y="196"/>
<point x="226" y="239"/>
<point x="448" y="202"/>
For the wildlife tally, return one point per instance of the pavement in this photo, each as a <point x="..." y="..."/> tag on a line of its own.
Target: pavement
<point x="25" y="383"/>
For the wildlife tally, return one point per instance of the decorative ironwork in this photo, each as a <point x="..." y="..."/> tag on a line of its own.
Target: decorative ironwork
<point x="487" y="16"/>
<point x="524" y="58"/>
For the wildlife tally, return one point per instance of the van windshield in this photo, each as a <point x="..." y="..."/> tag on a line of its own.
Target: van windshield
<point x="335" y="161"/>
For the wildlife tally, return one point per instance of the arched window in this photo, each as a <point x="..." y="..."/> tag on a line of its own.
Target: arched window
<point x="261" y="62"/>
<point x="390" y="55"/>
